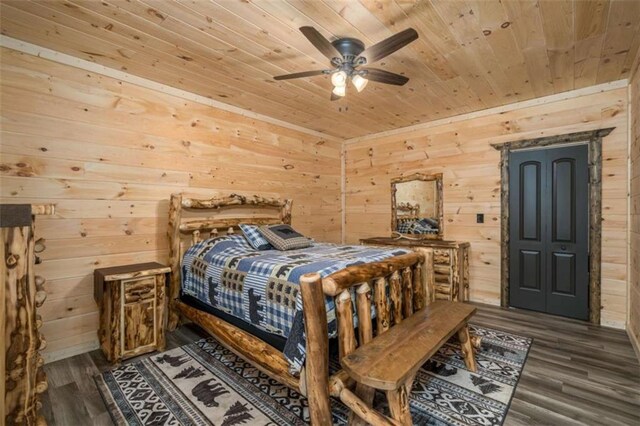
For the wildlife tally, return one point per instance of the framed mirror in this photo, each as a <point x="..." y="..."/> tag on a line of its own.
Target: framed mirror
<point x="416" y="206"/>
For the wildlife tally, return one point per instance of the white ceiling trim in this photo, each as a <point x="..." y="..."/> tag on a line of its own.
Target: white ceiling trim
<point x="63" y="58"/>
<point x="599" y="88"/>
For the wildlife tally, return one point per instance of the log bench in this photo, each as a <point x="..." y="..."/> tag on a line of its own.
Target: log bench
<point x="390" y="361"/>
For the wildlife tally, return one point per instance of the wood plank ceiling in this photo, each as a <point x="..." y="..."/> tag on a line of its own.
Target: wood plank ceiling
<point x="471" y="55"/>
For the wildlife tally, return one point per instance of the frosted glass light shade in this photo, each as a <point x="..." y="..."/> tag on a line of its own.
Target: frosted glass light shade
<point x="339" y="78"/>
<point x="360" y="82"/>
<point x="340" y="90"/>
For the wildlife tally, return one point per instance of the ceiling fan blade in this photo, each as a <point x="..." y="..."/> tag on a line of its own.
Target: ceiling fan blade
<point x="389" y="45"/>
<point x="299" y="75"/>
<point x="320" y="42"/>
<point x="386" y="77"/>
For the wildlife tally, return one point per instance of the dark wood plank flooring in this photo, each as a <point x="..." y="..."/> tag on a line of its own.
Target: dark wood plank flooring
<point x="575" y="374"/>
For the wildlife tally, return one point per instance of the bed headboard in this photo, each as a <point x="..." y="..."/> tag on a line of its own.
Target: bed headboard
<point x="193" y="219"/>
<point x="408" y="211"/>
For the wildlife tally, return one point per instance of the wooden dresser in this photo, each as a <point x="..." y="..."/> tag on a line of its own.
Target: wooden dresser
<point x="21" y="294"/>
<point x="132" y="302"/>
<point x="450" y="264"/>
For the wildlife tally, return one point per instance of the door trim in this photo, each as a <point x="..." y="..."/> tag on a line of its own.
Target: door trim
<point x="594" y="140"/>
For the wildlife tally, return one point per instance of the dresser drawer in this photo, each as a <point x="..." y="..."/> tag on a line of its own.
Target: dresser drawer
<point x="138" y="289"/>
<point x="441" y="257"/>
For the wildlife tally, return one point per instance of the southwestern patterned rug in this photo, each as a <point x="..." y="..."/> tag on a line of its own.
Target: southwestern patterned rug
<point x="205" y="384"/>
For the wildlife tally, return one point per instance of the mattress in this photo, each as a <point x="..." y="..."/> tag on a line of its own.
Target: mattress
<point x="261" y="288"/>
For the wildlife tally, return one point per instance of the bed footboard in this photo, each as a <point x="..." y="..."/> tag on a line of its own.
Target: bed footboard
<point x="405" y="278"/>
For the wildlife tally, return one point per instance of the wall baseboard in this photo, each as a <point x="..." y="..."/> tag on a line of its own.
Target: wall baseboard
<point x="634" y="341"/>
<point x="71" y="351"/>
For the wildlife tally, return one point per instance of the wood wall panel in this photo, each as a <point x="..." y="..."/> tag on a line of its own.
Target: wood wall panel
<point x="461" y="151"/>
<point x="109" y="154"/>
<point x="633" y="325"/>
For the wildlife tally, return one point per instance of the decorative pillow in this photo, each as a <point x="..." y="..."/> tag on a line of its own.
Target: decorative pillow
<point x="404" y="226"/>
<point x="254" y="237"/>
<point x="284" y="237"/>
<point x="430" y="222"/>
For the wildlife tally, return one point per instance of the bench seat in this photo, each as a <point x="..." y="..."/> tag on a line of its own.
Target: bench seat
<point x="395" y="356"/>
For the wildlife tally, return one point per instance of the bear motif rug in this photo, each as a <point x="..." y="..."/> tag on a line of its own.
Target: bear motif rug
<point x="203" y="383"/>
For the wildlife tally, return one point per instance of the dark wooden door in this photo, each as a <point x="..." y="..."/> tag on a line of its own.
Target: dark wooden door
<point x="549" y="231"/>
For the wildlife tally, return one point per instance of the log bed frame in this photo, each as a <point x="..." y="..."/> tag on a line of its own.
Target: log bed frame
<point x="408" y="277"/>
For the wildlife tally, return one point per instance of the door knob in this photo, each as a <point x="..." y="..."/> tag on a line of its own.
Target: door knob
<point x="563" y="247"/>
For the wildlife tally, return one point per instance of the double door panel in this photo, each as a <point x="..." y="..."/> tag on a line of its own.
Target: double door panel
<point x="549" y="231"/>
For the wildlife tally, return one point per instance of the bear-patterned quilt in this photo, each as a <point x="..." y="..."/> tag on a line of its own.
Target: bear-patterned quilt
<point x="262" y="287"/>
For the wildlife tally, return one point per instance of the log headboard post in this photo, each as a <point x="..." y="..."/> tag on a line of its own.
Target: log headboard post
<point x="285" y="212"/>
<point x="175" y="210"/>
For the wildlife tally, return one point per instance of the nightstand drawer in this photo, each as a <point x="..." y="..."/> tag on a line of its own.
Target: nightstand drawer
<point x="139" y="289"/>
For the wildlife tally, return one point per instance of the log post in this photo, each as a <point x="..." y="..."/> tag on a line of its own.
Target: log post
<point x="427" y="279"/>
<point x="382" y="306"/>
<point x="21" y="293"/>
<point x="466" y="346"/>
<point x="361" y="411"/>
<point x="344" y="314"/>
<point x="175" y="207"/>
<point x="465" y="274"/>
<point x="285" y="212"/>
<point x="399" y="402"/>
<point x="455" y="278"/>
<point x="395" y="293"/>
<point x="407" y="292"/>
<point x="363" y="305"/>
<point x="418" y="288"/>
<point x="365" y="335"/>
<point x="317" y="337"/>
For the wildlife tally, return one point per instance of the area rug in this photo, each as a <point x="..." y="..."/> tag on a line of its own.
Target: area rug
<point x="205" y="384"/>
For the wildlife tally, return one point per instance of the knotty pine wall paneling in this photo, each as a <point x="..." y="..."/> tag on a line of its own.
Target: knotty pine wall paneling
<point x="109" y="154"/>
<point x="633" y="325"/>
<point x="462" y="152"/>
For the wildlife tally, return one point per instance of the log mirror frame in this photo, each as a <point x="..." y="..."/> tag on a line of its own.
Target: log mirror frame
<point x="593" y="138"/>
<point x="413" y="209"/>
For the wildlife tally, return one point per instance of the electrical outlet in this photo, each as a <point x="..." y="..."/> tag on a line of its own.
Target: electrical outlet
<point x="480" y="218"/>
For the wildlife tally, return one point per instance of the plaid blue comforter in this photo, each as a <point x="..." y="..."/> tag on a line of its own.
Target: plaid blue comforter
<point x="262" y="287"/>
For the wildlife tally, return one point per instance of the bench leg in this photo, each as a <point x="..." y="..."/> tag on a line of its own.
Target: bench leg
<point x="399" y="403"/>
<point x="366" y="394"/>
<point x="467" y="348"/>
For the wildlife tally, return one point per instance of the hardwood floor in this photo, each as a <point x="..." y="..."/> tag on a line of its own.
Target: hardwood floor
<point x="575" y="374"/>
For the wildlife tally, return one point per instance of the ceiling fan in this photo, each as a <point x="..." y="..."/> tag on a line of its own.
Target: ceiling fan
<point x="348" y="56"/>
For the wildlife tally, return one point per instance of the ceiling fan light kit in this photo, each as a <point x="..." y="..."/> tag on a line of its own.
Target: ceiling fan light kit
<point x="348" y="57"/>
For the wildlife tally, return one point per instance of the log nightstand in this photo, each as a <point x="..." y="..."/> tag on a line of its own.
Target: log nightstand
<point x="132" y="302"/>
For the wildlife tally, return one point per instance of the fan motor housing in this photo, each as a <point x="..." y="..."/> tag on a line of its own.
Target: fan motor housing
<point x="348" y="47"/>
